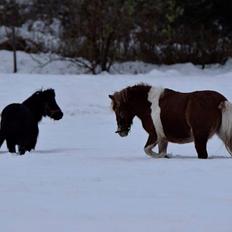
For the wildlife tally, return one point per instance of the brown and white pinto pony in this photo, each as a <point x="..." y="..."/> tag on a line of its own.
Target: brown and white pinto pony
<point x="171" y="116"/>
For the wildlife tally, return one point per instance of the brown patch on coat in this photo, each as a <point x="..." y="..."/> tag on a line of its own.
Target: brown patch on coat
<point x="186" y="114"/>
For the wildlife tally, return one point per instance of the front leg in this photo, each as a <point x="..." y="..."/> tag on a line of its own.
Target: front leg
<point x="151" y="143"/>
<point x="10" y="145"/>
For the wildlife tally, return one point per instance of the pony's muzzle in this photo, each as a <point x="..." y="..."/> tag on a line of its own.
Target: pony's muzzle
<point x="57" y="115"/>
<point x="123" y="133"/>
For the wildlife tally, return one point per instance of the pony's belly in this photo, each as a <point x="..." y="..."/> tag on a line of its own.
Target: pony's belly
<point x="180" y="140"/>
<point x="178" y="133"/>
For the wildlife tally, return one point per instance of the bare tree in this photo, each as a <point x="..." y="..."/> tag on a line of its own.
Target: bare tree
<point x="10" y="19"/>
<point x="95" y="31"/>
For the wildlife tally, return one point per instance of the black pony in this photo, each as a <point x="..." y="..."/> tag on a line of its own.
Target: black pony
<point x="19" y="122"/>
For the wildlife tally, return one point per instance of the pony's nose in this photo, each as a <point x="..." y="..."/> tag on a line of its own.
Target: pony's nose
<point x="58" y="115"/>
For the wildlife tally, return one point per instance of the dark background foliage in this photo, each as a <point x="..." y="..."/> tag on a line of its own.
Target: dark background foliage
<point x="97" y="33"/>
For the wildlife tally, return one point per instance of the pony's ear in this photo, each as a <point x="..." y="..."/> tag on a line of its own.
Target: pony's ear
<point x="111" y="97"/>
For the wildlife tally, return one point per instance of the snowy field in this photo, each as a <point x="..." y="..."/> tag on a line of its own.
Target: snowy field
<point x="83" y="177"/>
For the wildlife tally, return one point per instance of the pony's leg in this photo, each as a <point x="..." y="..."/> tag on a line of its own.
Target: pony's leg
<point x="151" y="143"/>
<point x="200" y="142"/>
<point x="10" y="145"/>
<point x="163" y="144"/>
<point x="31" y="142"/>
<point x="2" y="138"/>
<point x="22" y="150"/>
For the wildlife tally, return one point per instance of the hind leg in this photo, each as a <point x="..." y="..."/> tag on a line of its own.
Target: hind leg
<point x="163" y="144"/>
<point x="10" y="145"/>
<point x="200" y="145"/>
<point x="2" y="138"/>
<point x="22" y="150"/>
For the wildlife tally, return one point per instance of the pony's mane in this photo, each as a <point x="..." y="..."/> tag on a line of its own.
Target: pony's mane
<point x="36" y="101"/>
<point x="39" y="93"/>
<point x="42" y="91"/>
<point x="121" y="97"/>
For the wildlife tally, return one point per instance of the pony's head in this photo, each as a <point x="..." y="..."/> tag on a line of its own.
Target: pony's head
<point x="51" y="108"/>
<point x="124" y="113"/>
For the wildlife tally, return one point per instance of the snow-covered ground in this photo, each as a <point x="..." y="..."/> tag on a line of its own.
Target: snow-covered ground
<point x="83" y="177"/>
<point x="44" y="63"/>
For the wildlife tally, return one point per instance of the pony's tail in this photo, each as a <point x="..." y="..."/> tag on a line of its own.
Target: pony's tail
<point x="225" y="130"/>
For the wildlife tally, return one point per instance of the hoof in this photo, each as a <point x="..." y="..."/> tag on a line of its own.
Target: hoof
<point x="168" y="156"/>
<point x="159" y="156"/>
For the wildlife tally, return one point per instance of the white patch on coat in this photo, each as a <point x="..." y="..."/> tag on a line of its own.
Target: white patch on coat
<point x="148" y="150"/>
<point x="153" y="97"/>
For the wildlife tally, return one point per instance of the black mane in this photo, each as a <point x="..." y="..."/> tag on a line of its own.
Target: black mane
<point x="36" y="102"/>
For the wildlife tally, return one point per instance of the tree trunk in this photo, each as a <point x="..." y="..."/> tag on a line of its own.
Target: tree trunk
<point x="14" y="49"/>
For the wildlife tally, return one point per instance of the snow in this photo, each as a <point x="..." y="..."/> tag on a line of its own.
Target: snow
<point x="48" y="63"/>
<point x="43" y="63"/>
<point x="84" y="177"/>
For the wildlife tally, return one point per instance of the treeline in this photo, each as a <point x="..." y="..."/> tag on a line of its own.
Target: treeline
<point x="97" y="33"/>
